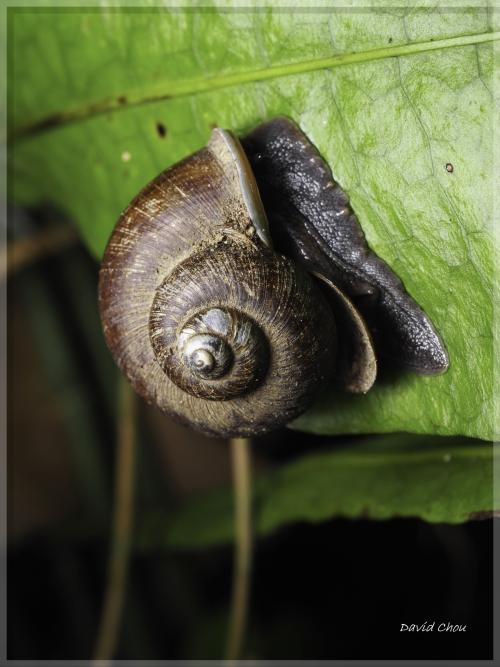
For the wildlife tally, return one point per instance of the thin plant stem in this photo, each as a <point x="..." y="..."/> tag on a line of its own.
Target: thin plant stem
<point x="20" y="254"/>
<point x="241" y="467"/>
<point x="119" y="555"/>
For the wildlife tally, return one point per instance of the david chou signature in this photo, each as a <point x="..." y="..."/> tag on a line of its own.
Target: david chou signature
<point x="433" y="627"/>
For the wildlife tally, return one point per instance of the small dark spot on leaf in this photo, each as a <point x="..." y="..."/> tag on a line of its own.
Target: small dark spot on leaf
<point x="122" y="99"/>
<point x="161" y="130"/>
<point x="390" y="40"/>
<point x="212" y="126"/>
<point x="449" y="167"/>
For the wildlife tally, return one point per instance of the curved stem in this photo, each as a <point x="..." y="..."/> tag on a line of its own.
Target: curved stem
<point x="241" y="465"/>
<point x="122" y="526"/>
<point x="20" y="254"/>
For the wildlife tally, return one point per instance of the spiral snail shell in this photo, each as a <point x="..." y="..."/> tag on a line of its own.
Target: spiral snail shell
<point x="213" y="325"/>
<point x="204" y="318"/>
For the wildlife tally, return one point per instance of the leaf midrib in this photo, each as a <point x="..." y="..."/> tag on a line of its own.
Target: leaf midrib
<point x="194" y="86"/>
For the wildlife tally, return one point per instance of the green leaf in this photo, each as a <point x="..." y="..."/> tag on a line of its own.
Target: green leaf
<point x="104" y="99"/>
<point x="436" y="479"/>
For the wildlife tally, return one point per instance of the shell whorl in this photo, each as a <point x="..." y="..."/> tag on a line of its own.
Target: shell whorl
<point x="211" y="348"/>
<point x="204" y="318"/>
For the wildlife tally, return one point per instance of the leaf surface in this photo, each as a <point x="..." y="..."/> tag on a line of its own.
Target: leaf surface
<point x="435" y="479"/>
<point x="398" y="100"/>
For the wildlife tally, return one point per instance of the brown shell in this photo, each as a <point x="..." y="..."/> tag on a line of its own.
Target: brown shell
<point x="196" y="239"/>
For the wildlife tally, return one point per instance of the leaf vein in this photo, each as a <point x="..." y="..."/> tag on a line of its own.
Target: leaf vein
<point x="204" y="84"/>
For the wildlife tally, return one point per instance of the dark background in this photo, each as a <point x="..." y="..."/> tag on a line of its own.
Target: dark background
<point x="340" y="589"/>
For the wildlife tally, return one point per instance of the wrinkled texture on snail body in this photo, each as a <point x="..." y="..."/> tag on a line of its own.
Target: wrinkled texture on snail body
<point x="204" y="318"/>
<point x="312" y="222"/>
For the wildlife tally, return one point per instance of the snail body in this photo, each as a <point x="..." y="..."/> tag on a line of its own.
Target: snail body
<point x="313" y="222"/>
<point x="213" y="325"/>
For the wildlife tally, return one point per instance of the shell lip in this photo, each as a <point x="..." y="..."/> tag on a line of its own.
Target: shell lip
<point x="248" y="184"/>
<point x="357" y="366"/>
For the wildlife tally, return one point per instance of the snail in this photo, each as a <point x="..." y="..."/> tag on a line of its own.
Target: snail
<point x="231" y="323"/>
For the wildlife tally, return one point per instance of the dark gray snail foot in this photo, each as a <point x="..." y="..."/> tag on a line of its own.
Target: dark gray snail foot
<point x="312" y="222"/>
